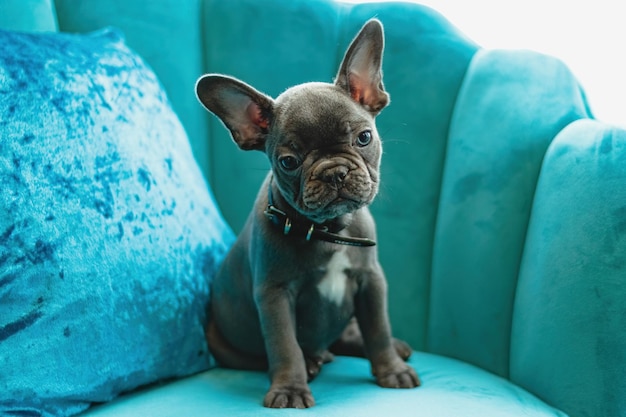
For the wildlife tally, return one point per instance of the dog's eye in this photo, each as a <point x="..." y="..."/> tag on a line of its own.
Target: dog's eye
<point x="364" y="138"/>
<point x="289" y="162"/>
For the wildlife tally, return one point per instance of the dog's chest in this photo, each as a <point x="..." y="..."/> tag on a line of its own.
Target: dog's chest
<point x="334" y="282"/>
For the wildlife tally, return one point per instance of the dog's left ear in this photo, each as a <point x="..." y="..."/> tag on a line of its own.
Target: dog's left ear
<point x="360" y="73"/>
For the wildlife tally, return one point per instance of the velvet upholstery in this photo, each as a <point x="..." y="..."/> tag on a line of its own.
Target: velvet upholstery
<point x="28" y="15"/>
<point x="500" y="213"/>
<point x="451" y="388"/>
<point x="569" y="314"/>
<point x="495" y="147"/>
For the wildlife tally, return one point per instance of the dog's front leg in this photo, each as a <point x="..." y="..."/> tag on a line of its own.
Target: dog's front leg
<point x="287" y="368"/>
<point x="388" y="367"/>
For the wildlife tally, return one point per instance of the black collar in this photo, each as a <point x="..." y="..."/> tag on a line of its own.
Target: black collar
<point x="307" y="229"/>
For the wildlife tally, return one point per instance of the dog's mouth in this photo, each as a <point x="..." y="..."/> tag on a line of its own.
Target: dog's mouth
<point x="324" y="199"/>
<point x="333" y="209"/>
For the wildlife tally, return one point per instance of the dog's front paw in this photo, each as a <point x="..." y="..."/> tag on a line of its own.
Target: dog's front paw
<point x="402" y="377"/>
<point x="289" y="397"/>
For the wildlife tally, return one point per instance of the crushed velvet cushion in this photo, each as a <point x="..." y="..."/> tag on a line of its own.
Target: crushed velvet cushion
<point x="109" y="235"/>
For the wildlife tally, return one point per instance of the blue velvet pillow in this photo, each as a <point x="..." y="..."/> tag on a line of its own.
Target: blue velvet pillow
<point x="109" y="235"/>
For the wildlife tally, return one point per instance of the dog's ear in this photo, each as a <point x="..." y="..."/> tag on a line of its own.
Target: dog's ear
<point x="360" y="73"/>
<point x="246" y="112"/>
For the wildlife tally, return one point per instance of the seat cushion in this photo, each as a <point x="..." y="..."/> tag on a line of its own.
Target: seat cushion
<point x="344" y="388"/>
<point x="108" y="234"/>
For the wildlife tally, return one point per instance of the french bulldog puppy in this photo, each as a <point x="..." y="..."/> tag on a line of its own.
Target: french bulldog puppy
<point x="305" y="262"/>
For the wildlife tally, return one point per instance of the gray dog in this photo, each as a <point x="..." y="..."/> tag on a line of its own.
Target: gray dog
<point x="304" y="265"/>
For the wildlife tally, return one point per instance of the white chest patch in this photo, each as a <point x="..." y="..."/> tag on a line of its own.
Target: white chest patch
<point x="333" y="283"/>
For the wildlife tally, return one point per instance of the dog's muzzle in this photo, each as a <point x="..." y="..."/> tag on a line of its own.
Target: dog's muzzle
<point x="338" y="180"/>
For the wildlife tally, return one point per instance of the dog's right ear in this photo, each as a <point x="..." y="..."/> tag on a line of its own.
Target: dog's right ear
<point x="246" y="112"/>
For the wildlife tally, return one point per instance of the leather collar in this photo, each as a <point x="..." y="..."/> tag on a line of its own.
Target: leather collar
<point x="307" y="229"/>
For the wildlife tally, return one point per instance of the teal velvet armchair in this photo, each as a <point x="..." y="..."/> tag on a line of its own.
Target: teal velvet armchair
<point x="501" y="214"/>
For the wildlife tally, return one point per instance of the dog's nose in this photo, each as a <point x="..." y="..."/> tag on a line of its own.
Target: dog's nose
<point x="335" y="175"/>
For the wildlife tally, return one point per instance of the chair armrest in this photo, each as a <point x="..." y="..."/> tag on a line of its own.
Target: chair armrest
<point x="569" y="324"/>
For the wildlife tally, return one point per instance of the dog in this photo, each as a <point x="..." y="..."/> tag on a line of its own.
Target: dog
<point x="304" y="267"/>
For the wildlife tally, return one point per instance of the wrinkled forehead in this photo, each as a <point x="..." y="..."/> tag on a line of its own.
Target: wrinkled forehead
<point x="320" y="110"/>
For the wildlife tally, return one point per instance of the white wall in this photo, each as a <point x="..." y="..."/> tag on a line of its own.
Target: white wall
<point x="590" y="36"/>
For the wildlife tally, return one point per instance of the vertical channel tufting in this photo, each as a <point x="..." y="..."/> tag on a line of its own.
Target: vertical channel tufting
<point x="422" y="74"/>
<point x="570" y="315"/>
<point x="511" y="106"/>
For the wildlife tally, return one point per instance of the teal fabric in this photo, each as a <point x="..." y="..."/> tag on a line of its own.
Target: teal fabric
<point x="511" y="105"/>
<point x="108" y="234"/>
<point x="423" y="72"/>
<point x="28" y="15"/>
<point x="569" y="328"/>
<point x="167" y="34"/>
<point x="344" y="388"/>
